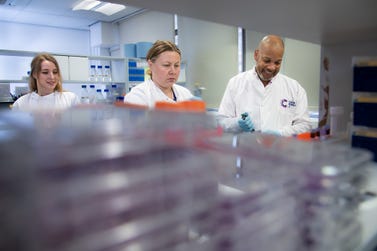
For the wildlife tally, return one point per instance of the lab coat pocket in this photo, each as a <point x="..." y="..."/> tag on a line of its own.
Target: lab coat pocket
<point x="286" y="116"/>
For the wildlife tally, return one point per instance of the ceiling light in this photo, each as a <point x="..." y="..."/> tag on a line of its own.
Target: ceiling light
<point x="110" y="8"/>
<point x="86" y="5"/>
<point x="99" y="6"/>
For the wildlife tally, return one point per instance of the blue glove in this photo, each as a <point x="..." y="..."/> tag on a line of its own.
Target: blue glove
<point x="245" y="123"/>
<point x="196" y="98"/>
<point x="272" y="132"/>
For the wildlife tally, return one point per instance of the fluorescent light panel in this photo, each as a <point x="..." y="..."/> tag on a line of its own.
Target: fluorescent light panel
<point x="109" y="8"/>
<point x="86" y="5"/>
<point x="105" y="8"/>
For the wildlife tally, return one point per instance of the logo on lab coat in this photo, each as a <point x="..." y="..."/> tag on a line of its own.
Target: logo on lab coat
<point x="287" y="104"/>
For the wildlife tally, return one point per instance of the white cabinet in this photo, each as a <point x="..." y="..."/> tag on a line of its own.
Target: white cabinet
<point x="15" y="66"/>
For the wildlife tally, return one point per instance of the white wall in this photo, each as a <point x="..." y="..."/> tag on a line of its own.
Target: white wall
<point x="302" y="61"/>
<point x="210" y="50"/>
<point x="341" y="73"/>
<point x="148" y="26"/>
<point x="252" y="41"/>
<point x="27" y="37"/>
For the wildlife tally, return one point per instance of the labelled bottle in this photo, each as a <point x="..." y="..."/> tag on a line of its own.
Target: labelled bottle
<point x="92" y="73"/>
<point x="107" y="74"/>
<point x="107" y="96"/>
<point x="115" y="92"/>
<point x="84" y="95"/>
<point x="92" y="93"/>
<point x="99" y="73"/>
<point x="99" y="99"/>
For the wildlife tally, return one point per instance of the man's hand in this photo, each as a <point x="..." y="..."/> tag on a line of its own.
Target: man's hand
<point x="245" y="123"/>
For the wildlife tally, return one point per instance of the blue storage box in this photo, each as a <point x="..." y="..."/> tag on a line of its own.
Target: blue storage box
<point x="131" y="63"/>
<point x="136" y="78"/>
<point x="365" y="79"/>
<point x="136" y="71"/>
<point x="142" y="49"/>
<point x="363" y="114"/>
<point x="130" y="50"/>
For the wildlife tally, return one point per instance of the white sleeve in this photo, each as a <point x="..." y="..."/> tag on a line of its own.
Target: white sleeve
<point x="20" y="103"/>
<point x="75" y="100"/>
<point x="137" y="96"/>
<point x="16" y="105"/>
<point x="226" y="116"/>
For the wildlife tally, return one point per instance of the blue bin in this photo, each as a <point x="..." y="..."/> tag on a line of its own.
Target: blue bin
<point x="131" y="64"/>
<point x="130" y="50"/>
<point x="136" y="71"/>
<point x="136" y="78"/>
<point x="142" y="49"/>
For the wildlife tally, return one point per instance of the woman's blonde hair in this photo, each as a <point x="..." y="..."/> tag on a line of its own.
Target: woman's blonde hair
<point x="159" y="47"/>
<point x="36" y="69"/>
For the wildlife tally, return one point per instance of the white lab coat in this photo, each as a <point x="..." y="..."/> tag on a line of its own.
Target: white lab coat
<point x="147" y="94"/>
<point x="281" y="106"/>
<point x="55" y="100"/>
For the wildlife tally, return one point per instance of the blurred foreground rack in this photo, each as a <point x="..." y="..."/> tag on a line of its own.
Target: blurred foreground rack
<point x="114" y="178"/>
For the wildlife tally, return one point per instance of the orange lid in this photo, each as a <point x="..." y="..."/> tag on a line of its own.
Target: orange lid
<point x="304" y="136"/>
<point x="188" y="105"/>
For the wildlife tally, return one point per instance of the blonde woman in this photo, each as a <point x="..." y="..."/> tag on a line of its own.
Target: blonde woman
<point x="45" y="84"/>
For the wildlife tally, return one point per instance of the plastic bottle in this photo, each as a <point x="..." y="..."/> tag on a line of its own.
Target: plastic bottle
<point x="84" y="97"/>
<point x="107" y="96"/>
<point x="107" y="74"/>
<point x="119" y="99"/>
<point x="92" y="93"/>
<point x="99" y="99"/>
<point x="114" y="92"/>
<point x="99" y="73"/>
<point x="92" y="73"/>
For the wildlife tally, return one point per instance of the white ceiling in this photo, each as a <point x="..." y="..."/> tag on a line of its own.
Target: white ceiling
<point x="56" y="13"/>
<point x="317" y="21"/>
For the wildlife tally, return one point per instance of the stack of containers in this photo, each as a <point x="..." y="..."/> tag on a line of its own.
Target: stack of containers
<point x="135" y="73"/>
<point x="316" y="188"/>
<point x="257" y="208"/>
<point x="103" y="189"/>
<point x="334" y="180"/>
<point x="136" y="179"/>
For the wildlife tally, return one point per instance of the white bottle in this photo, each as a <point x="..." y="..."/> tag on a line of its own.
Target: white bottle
<point x="92" y="73"/>
<point x="107" y="95"/>
<point x="114" y="92"/>
<point x="100" y="99"/>
<point x="92" y="94"/>
<point x="99" y="73"/>
<point x="84" y="97"/>
<point x="107" y="74"/>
